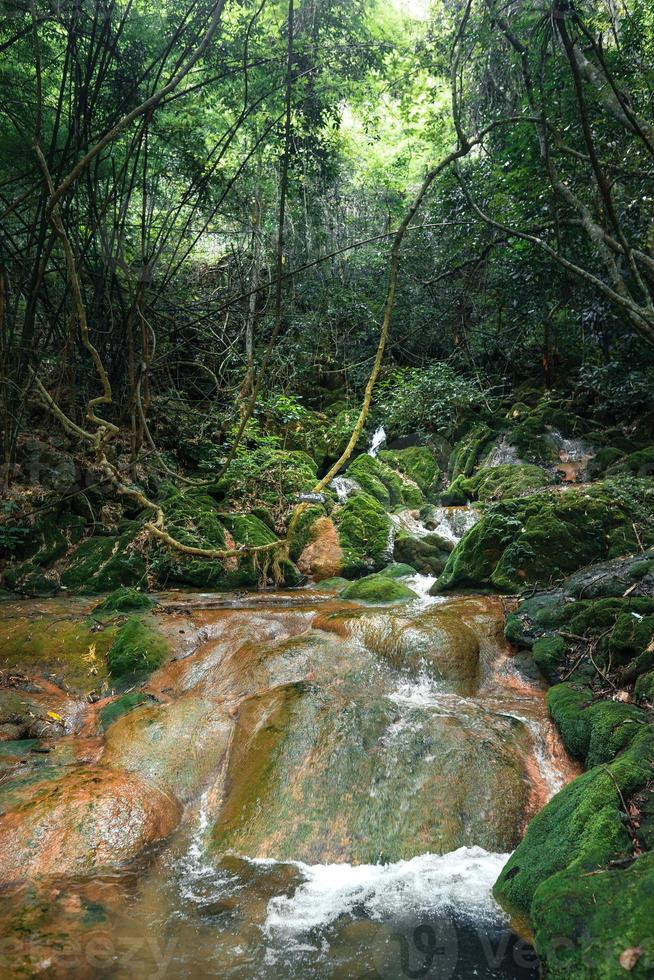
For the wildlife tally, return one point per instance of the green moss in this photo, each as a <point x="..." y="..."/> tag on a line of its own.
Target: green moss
<point x="378" y="588"/>
<point x="581" y="829"/>
<point x="398" y="570"/>
<point x="266" y="476"/>
<point x="121" y="706"/>
<point x="593" y="733"/>
<point x="496" y="483"/>
<point x="475" y="558"/>
<point x="427" y="554"/>
<point x="102" y="564"/>
<point x="631" y="634"/>
<point x="124" y="599"/>
<point x="604" y="458"/>
<point x="364" y="530"/>
<point x="136" y="648"/>
<point x="549" y="652"/>
<point x="54" y="644"/>
<point x="303" y="529"/>
<point x="417" y="463"/>
<point x="194" y="519"/>
<point x="383" y="483"/>
<point x="465" y="455"/>
<point x="583" y="925"/>
<point x="644" y="686"/>
<point x="547" y="536"/>
<point x="640" y="463"/>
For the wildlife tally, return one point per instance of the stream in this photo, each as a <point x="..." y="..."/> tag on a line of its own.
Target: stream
<point x="329" y="789"/>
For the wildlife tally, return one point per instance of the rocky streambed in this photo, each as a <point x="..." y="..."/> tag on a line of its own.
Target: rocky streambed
<point x="307" y="786"/>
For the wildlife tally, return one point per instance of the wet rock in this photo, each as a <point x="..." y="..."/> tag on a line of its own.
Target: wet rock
<point x="322" y="557"/>
<point x="89" y="821"/>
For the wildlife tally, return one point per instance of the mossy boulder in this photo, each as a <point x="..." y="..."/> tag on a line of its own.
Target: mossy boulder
<point x="364" y="531"/>
<point x="496" y="483"/>
<point x="102" y="564"/>
<point x="266" y="476"/>
<point x="418" y="464"/>
<point x="644" y="687"/>
<point x="427" y="554"/>
<point x="124" y="599"/>
<point x="195" y="519"/>
<point x="466" y="454"/>
<point x="545" y="537"/>
<point x="604" y="458"/>
<point x="632" y="575"/>
<point x="640" y="463"/>
<point x="398" y="569"/>
<point x="137" y="648"/>
<point x="378" y="588"/>
<point x="593" y="731"/>
<point x="385" y="484"/>
<point x="563" y="863"/>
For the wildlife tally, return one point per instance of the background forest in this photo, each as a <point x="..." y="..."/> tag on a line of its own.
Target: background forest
<point x="213" y="185"/>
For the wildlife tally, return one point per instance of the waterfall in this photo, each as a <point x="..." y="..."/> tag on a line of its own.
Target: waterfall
<point x="378" y="440"/>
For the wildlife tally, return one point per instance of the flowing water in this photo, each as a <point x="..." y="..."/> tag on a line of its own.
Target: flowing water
<point x="346" y="783"/>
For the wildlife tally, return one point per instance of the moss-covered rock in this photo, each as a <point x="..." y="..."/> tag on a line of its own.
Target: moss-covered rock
<point x="102" y="564"/>
<point x="466" y="454"/>
<point x="266" y="476"/>
<point x="581" y="829"/>
<point x="427" y="554"/>
<point x="195" y="519"/>
<point x="378" y="588"/>
<point x="137" y="648"/>
<point x="549" y="654"/>
<point x="124" y="599"/>
<point x="496" y="483"/>
<point x="398" y="570"/>
<point x="593" y="731"/>
<point x="640" y="463"/>
<point x="386" y="485"/>
<point x="644" y="687"/>
<point x="364" y="531"/>
<point x="604" y="458"/>
<point x="418" y="463"/>
<point x="546" y="536"/>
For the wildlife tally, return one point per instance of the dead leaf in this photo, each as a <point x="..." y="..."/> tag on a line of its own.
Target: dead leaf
<point x="630" y="956"/>
<point x="55" y="716"/>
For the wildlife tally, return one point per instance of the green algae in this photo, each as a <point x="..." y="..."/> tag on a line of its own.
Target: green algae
<point x="121" y="706"/>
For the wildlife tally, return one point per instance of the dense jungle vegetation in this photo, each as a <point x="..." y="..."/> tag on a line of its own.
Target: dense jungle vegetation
<point x="238" y="238"/>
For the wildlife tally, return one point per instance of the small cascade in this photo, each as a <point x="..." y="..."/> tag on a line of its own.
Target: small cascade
<point x="452" y="522"/>
<point x="378" y="440"/>
<point x="502" y="453"/>
<point x="574" y="456"/>
<point x="344" y="487"/>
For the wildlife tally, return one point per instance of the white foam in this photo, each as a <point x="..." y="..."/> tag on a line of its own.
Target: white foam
<point x="460" y="881"/>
